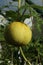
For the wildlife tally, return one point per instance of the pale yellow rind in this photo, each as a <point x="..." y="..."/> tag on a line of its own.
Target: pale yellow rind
<point x="20" y="32"/>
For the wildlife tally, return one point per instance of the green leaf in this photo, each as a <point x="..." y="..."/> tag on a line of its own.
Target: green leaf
<point x="2" y="36"/>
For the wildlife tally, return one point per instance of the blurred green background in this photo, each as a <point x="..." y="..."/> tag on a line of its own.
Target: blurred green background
<point x="9" y="54"/>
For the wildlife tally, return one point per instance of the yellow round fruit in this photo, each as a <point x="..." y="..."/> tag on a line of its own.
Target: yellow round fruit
<point x="18" y="33"/>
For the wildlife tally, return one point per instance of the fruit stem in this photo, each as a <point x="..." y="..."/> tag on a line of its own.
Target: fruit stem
<point x="24" y="56"/>
<point x="19" y="3"/>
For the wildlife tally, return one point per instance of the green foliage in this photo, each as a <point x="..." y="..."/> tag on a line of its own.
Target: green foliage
<point x="33" y="51"/>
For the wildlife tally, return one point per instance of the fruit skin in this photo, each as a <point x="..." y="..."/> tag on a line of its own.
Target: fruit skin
<point x="18" y="33"/>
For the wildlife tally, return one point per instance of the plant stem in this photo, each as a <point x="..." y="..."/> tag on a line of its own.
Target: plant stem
<point x="19" y="3"/>
<point x="24" y="56"/>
